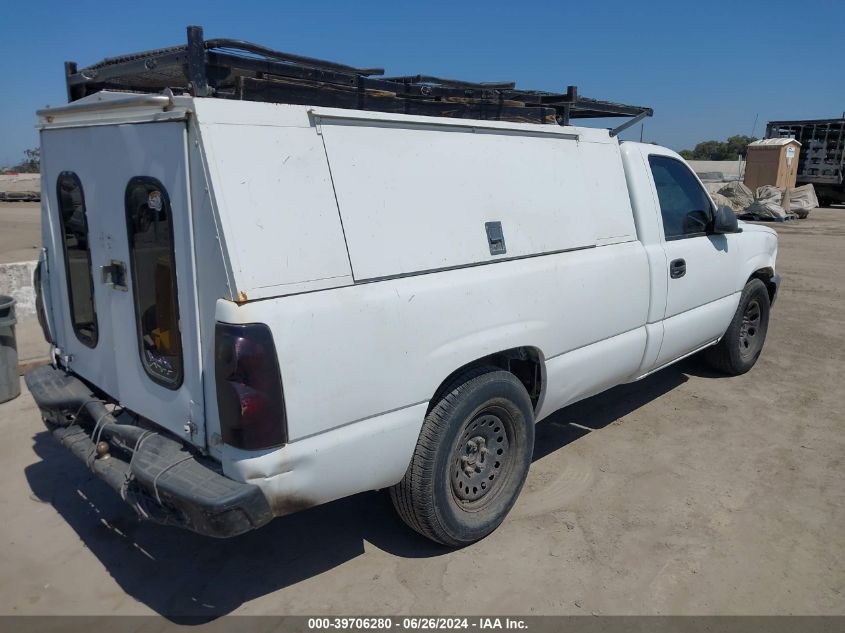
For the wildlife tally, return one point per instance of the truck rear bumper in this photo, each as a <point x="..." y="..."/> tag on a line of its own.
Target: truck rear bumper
<point x="153" y="472"/>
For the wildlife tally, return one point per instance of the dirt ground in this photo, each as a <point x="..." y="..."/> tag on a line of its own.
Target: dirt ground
<point x="20" y="237"/>
<point x="692" y="494"/>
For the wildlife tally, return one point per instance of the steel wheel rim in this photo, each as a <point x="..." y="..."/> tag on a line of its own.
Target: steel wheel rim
<point x="749" y="331"/>
<point x="482" y="459"/>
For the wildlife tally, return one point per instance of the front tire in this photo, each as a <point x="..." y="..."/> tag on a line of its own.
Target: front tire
<point x="743" y="341"/>
<point x="471" y="459"/>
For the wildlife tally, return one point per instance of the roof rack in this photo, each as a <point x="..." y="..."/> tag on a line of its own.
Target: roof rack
<point x="235" y="69"/>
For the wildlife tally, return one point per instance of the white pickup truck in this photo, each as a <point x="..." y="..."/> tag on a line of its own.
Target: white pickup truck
<point x="260" y="307"/>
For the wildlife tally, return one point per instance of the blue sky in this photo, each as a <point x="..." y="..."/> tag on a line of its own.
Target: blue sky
<point x="707" y="68"/>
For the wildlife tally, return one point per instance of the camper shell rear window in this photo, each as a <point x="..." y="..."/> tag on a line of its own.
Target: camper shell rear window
<point x="80" y="283"/>
<point x="149" y="227"/>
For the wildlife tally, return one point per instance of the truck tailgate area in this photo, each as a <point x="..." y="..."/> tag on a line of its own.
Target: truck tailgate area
<point x="156" y="474"/>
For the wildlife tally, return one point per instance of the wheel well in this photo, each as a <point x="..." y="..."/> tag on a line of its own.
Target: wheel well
<point x="526" y="363"/>
<point x="765" y="275"/>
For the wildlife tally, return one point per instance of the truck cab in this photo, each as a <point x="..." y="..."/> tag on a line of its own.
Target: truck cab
<point x="696" y="267"/>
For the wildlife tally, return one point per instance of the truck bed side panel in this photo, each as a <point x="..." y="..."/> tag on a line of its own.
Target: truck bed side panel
<point x="355" y="352"/>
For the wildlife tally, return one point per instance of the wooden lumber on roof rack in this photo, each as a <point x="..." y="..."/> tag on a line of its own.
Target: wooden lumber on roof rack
<point x="234" y="69"/>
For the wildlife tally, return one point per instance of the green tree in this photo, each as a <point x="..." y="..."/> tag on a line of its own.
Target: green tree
<point x="738" y="144"/>
<point x="731" y="149"/>
<point x="31" y="164"/>
<point x="709" y="150"/>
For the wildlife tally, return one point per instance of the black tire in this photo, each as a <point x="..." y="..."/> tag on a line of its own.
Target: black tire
<point x="471" y="458"/>
<point x="743" y="341"/>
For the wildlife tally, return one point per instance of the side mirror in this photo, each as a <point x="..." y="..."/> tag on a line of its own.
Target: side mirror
<point x="724" y="221"/>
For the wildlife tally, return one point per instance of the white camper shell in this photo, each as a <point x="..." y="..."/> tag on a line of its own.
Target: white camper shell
<point x="289" y="304"/>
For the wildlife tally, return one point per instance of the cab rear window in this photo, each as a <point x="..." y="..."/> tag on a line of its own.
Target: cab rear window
<point x="149" y="222"/>
<point x="80" y="284"/>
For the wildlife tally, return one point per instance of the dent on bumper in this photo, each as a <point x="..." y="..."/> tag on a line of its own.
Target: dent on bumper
<point x="163" y="480"/>
<point x="369" y="454"/>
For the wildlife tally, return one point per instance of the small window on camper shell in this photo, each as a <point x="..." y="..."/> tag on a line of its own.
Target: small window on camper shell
<point x="149" y="227"/>
<point x="80" y="284"/>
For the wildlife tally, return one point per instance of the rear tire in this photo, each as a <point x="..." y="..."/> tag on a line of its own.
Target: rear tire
<point x="471" y="459"/>
<point x="743" y="341"/>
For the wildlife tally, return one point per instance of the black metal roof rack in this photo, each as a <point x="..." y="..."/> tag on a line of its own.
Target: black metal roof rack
<point x="235" y="69"/>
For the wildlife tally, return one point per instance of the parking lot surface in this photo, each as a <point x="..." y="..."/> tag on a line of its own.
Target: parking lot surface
<point x="20" y="238"/>
<point x="686" y="493"/>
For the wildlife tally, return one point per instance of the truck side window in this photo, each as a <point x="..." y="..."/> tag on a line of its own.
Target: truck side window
<point x="80" y="284"/>
<point x="149" y="226"/>
<point x="684" y="204"/>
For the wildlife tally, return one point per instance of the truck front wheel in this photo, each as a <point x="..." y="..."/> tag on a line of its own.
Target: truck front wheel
<point x="471" y="458"/>
<point x="742" y="343"/>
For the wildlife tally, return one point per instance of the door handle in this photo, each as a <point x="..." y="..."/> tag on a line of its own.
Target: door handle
<point x="114" y="275"/>
<point x="495" y="238"/>
<point x="677" y="268"/>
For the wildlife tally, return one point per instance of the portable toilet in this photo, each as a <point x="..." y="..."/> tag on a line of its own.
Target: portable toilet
<point x="772" y="161"/>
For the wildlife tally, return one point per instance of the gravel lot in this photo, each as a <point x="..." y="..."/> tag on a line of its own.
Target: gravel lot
<point x="694" y="494"/>
<point x="20" y="237"/>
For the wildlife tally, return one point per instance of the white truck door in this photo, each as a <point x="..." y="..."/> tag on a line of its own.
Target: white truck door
<point x="700" y="298"/>
<point x="135" y="336"/>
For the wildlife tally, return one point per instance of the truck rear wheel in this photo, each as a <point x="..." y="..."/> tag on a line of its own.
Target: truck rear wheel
<point x="471" y="459"/>
<point x="742" y="343"/>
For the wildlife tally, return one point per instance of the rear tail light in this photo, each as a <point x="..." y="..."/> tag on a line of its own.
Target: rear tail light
<point x="249" y="387"/>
